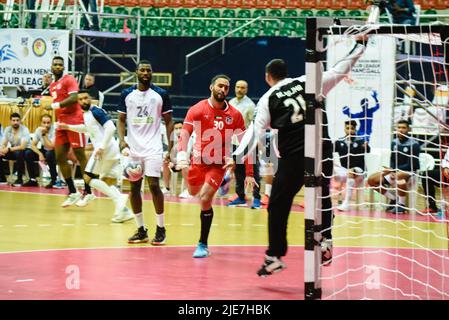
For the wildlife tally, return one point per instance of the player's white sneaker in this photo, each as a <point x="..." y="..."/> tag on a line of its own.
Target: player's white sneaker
<point x="185" y="194"/>
<point x="125" y="215"/>
<point x="165" y="191"/>
<point x="343" y="207"/>
<point x="71" y="199"/>
<point x="85" y="200"/>
<point x="120" y="203"/>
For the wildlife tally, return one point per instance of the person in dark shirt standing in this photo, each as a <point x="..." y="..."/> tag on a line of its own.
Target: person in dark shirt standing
<point x="89" y="86"/>
<point x="404" y="161"/>
<point x="351" y="149"/>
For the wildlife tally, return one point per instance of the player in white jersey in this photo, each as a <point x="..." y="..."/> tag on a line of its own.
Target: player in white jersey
<point x="103" y="166"/>
<point x="141" y="108"/>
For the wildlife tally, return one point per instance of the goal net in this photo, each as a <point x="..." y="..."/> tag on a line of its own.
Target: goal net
<point x="388" y="183"/>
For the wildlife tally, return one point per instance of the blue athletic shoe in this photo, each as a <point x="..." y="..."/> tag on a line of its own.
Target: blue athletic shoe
<point x="237" y="203"/>
<point x="225" y="185"/>
<point x="256" y="204"/>
<point x="201" y="251"/>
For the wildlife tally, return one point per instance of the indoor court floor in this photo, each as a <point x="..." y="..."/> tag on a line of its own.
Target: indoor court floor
<point x="47" y="252"/>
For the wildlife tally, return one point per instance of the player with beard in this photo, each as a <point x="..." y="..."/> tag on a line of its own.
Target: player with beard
<point x="214" y="122"/>
<point x="64" y="91"/>
<point x="103" y="167"/>
<point x="141" y="108"/>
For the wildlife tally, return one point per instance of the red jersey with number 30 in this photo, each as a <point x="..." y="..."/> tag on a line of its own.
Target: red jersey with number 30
<point x="61" y="90"/>
<point x="214" y="129"/>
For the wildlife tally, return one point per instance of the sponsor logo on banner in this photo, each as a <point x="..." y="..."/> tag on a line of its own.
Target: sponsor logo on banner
<point x="6" y="53"/>
<point x="55" y="43"/>
<point x="39" y="47"/>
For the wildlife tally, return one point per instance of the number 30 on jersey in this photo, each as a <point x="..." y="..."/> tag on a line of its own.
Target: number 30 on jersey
<point x="218" y="125"/>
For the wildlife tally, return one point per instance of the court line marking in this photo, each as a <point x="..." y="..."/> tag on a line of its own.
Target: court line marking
<point x="143" y="247"/>
<point x="20" y="226"/>
<point x="368" y="248"/>
<point x="24" y="280"/>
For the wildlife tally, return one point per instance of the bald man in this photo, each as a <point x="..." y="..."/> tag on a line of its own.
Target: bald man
<point x="246" y="107"/>
<point x="241" y="101"/>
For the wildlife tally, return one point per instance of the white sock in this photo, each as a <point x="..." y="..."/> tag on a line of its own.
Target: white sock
<point x="102" y="187"/>
<point x="268" y="189"/>
<point x="139" y="219"/>
<point x="401" y="200"/>
<point x="389" y="195"/>
<point x="349" y="187"/>
<point x="160" y="220"/>
<point x="116" y="192"/>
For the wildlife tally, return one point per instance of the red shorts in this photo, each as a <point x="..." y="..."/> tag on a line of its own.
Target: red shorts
<point x="76" y="139"/>
<point x="202" y="173"/>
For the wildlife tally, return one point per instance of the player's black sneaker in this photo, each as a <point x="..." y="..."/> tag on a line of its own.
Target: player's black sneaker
<point x="18" y="182"/>
<point x="31" y="183"/>
<point x="159" y="237"/>
<point x="391" y="207"/>
<point x="141" y="236"/>
<point x="271" y="265"/>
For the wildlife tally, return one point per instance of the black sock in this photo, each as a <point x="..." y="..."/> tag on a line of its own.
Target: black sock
<point x="206" y="222"/>
<point x="87" y="189"/>
<point x="70" y="185"/>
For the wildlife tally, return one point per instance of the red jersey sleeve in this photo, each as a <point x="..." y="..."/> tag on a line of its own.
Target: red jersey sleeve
<point x="71" y="84"/>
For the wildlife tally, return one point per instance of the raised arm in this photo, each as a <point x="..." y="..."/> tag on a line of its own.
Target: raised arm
<point x="340" y="70"/>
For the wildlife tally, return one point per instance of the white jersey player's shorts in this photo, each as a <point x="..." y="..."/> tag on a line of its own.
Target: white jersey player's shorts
<point x="104" y="167"/>
<point x="266" y="168"/>
<point x="152" y="166"/>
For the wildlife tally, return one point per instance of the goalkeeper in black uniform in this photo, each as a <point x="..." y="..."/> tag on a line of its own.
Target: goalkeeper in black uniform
<point x="283" y="108"/>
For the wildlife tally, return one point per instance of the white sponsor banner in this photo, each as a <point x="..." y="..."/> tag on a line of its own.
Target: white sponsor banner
<point x="26" y="54"/>
<point x="354" y="97"/>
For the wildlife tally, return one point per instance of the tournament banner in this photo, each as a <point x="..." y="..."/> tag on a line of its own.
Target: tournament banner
<point x="26" y="54"/>
<point x="366" y="95"/>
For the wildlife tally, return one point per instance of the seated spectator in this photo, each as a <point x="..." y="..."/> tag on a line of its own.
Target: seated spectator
<point x="430" y="179"/>
<point x="17" y="136"/>
<point x="404" y="161"/>
<point x="351" y="150"/>
<point x="45" y="135"/>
